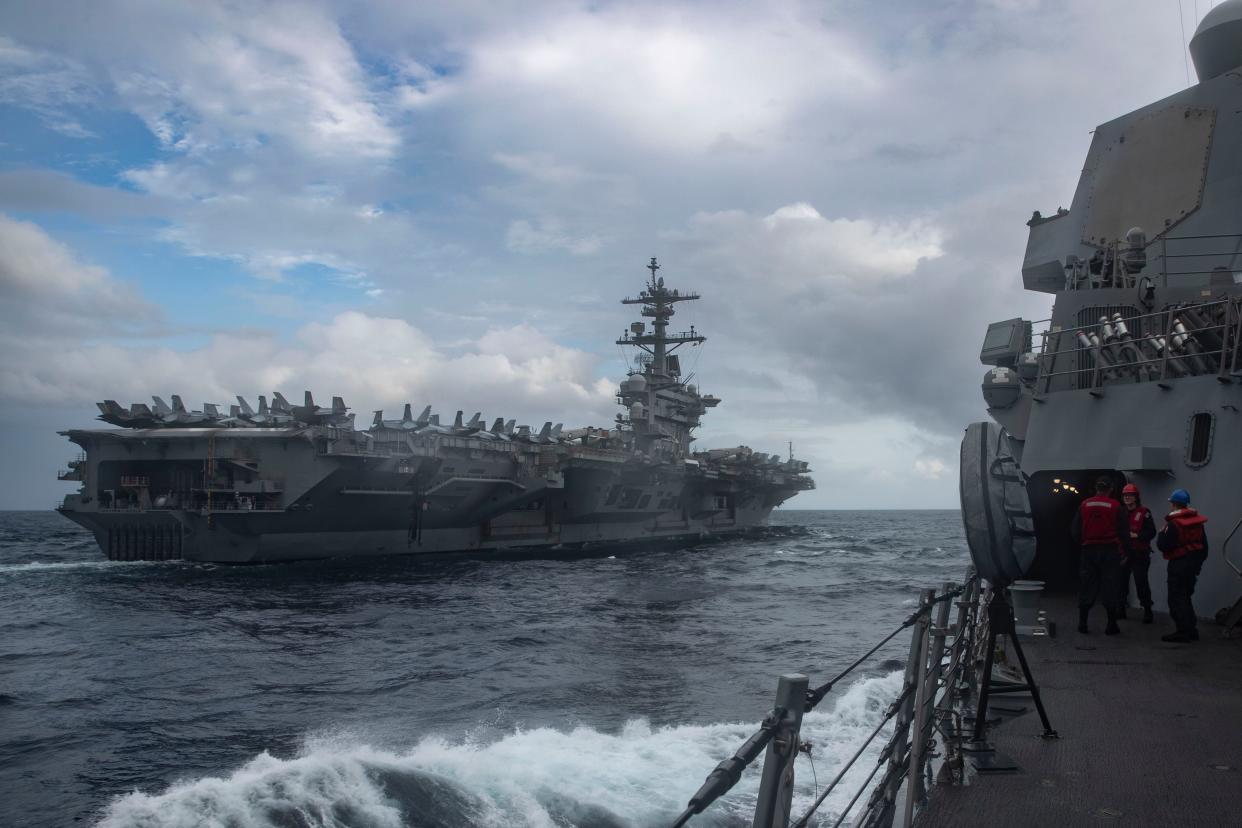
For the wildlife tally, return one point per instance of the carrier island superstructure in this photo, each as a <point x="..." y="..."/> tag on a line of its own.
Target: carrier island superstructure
<point x="1138" y="373"/>
<point x="287" y="482"/>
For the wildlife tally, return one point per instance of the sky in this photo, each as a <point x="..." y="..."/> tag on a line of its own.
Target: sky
<point x="444" y="204"/>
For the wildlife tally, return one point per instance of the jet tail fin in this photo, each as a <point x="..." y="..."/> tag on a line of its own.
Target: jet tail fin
<point x="177" y="405"/>
<point x="262" y="404"/>
<point x="457" y="421"/>
<point x="161" y="407"/>
<point x="210" y="410"/>
<point x="498" y="427"/>
<point x="338" y="405"/>
<point x="425" y="417"/>
<point x="245" y="406"/>
<point x="379" y="417"/>
<point x="545" y="432"/>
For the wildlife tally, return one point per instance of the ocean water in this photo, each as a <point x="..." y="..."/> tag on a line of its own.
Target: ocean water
<point x="543" y="691"/>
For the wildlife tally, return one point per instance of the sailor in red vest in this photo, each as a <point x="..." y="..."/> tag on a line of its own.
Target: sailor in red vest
<point x="1141" y="529"/>
<point x="1098" y="527"/>
<point x="1183" y="540"/>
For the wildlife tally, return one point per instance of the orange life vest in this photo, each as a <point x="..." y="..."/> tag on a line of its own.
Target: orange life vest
<point x="1138" y="516"/>
<point x="1190" y="533"/>
<point x="1099" y="521"/>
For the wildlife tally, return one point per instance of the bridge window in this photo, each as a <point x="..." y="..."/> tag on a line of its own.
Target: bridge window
<point x="1199" y="439"/>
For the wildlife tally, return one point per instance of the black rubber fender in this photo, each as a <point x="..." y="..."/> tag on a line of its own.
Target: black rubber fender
<point x="996" y="511"/>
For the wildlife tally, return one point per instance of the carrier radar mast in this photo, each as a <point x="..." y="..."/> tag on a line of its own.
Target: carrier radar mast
<point x="657" y="302"/>
<point x="663" y="409"/>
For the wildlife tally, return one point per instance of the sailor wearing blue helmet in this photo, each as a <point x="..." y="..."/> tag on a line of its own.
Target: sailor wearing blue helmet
<point x="1184" y="543"/>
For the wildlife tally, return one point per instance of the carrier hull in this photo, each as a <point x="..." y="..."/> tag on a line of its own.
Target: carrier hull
<point x="252" y="539"/>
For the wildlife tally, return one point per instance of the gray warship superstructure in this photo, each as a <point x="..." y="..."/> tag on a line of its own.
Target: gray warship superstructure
<point x="1138" y="372"/>
<point x="285" y="482"/>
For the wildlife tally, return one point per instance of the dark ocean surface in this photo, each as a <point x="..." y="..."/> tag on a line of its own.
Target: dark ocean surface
<point x="545" y="691"/>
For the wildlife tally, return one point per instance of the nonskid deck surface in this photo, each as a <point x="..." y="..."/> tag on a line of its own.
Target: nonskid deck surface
<point x="1150" y="733"/>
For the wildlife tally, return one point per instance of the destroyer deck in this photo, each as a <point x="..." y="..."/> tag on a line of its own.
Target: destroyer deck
<point x="1150" y="733"/>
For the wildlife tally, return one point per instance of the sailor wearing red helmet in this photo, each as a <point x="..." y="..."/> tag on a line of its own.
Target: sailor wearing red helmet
<point x="1137" y="543"/>
<point x="1185" y="546"/>
<point x="1098" y="527"/>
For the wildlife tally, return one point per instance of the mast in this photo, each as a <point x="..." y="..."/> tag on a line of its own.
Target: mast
<point x="657" y="302"/>
<point x="662" y="408"/>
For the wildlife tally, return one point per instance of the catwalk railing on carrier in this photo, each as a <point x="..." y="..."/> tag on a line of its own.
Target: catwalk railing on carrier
<point x="925" y="730"/>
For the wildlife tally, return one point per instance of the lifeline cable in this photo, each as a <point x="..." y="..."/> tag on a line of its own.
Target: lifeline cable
<point x="814" y="697"/>
<point x="892" y="711"/>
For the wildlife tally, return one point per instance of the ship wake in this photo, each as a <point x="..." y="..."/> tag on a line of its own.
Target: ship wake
<point x="587" y="778"/>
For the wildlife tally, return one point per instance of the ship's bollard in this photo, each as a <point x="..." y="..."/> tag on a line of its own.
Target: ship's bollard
<point x="776" y="787"/>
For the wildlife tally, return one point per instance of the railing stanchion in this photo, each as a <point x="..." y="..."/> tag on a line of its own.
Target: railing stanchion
<point x="776" y="786"/>
<point x="901" y="726"/>
<point x="939" y="631"/>
<point x="914" y="765"/>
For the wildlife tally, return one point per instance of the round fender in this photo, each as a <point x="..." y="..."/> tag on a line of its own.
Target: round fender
<point x="996" y="511"/>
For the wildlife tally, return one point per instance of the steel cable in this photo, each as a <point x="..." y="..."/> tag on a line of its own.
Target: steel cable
<point x="892" y="711"/>
<point x="727" y="773"/>
<point x="815" y="696"/>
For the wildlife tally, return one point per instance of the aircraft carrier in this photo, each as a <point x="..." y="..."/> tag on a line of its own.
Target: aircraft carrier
<point x="290" y="482"/>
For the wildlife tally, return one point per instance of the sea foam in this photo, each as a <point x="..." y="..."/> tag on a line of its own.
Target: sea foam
<point x="542" y="777"/>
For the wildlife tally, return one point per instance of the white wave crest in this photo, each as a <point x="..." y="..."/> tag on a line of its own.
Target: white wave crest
<point x="54" y="566"/>
<point x="539" y="778"/>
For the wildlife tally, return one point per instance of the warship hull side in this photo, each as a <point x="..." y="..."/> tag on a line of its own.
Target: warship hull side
<point x="1062" y="444"/>
<point x="410" y="505"/>
<point x="1137" y="374"/>
<point x="226" y="538"/>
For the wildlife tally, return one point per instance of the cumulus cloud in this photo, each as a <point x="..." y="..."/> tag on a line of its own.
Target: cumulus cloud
<point x="931" y="468"/>
<point x="55" y="301"/>
<point x="279" y="71"/>
<point x="49" y="293"/>
<point x="254" y="110"/>
<point x="796" y="248"/>
<point x="676" y="79"/>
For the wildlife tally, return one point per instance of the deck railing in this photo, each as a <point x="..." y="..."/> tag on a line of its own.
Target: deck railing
<point x="1169" y="261"/>
<point x="1190" y="339"/>
<point x="940" y="674"/>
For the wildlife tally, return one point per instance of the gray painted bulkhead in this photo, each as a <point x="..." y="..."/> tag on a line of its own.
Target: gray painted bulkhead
<point x="1173" y="168"/>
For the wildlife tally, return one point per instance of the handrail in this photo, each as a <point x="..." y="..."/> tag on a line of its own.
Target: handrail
<point x="1224" y="548"/>
<point x="1186" y="339"/>
<point x="1109" y="266"/>
<point x="927" y="674"/>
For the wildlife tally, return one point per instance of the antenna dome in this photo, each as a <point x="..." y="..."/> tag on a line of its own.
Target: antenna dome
<point x="1217" y="45"/>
